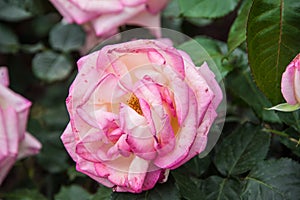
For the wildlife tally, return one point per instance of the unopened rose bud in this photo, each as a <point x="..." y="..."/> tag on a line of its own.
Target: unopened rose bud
<point x="290" y="83"/>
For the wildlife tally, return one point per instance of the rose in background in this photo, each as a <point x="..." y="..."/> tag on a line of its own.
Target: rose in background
<point x="105" y="16"/>
<point x="137" y="110"/>
<point x="290" y="87"/>
<point x="15" y="142"/>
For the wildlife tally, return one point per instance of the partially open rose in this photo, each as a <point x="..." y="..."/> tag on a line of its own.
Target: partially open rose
<point x="15" y="142"/>
<point x="105" y="16"/>
<point x="137" y="110"/>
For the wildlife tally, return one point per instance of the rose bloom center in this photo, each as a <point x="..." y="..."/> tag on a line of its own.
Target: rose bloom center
<point x="134" y="103"/>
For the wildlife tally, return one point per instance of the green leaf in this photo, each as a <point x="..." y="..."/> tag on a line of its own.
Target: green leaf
<point x="188" y="189"/>
<point x="11" y="12"/>
<point x="50" y="66"/>
<point x="73" y="173"/>
<point x="186" y="177"/>
<point x="34" y="7"/>
<point x="241" y="84"/>
<point x="25" y="194"/>
<point x="285" y="107"/>
<point x="166" y="190"/>
<point x="217" y="188"/>
<point x="172" y="9"/>
<point x="273" y="179"/>
<point x="273" y="41"/>
<point x="56" y="117"/>
<point x="195" y="167"/>
<point x="294" y="146"/>
<point x="8" y="40"/>
<point x="206" y="8"/>
<point x="170" y="16"/>
<point x="241" y="150"/>
<point x="203" y="49"/>
<point x="49" y="160"/>
<point x="41" y="26"/>
<point x="237" y="33"/>
<point x="103" y="193"/>
<point x="73" y="192"/>
<point x="126" y="196"/>
<point x="292" y="141"/>
<point x="52" y="147"/>
<point x="291" y="118"/>
<point x="200" y="21"/>
<point x="32" y="48"/>
<point x="67" y="37"/>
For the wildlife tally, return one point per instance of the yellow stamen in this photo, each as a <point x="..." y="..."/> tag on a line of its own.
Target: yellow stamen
<point x="134" y="103"/>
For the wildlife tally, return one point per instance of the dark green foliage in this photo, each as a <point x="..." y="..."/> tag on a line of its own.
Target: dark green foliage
<point x="257" y="155"/>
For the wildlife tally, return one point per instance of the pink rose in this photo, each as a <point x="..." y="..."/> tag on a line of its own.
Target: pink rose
<point x="290" y="82"/>
<point x="107" y="15"/>
<point x="15" y="142"/>
<point x="137" y="110"/>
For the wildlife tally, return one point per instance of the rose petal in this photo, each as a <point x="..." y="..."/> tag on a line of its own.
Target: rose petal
<point x="29" y="146"/>
<point x="184" y="138"/>
<point x="3" y="137"/>
<point x="116" y="171"/>
<point x="148" y="20"/>
<point x="13" y="135"/>
<point x="175" y="61"/>
<point x="5" y="166"/>
<point x="181" y="94"/>
<point x="166" y="138"/>
<point x="209" y="77"/>
<point x="151" y="179"/>
<point x="93" y="148"/>
<point x="141" y="142"/>
<point x="88" y="62"/>
<point x="4" y="78"/>
<point x="137" y="173"/>
<point x="148" y="115"/>
<point x="72" y="13"/>
<point x="108" y="22"/>
<point x="98" y="6"/>
<point x="200" y="142"/>
<point x="200" y="87"/>
<point x="297" y="83"/>
<point x="140" y="138"/>
<point x="89" y="168"/>
<point x="168" y="99"/>
<point x="86" y="66"/>
<point x="120" y="147"/>
<point x="287" y="85"/>
<point x="155" y="57"/>
<point x="69" y="140"/>
<point x="133" y="2"/>
<point x="19" y="104"/>
<point x="86" y="107"/>
<point x="148" y="92"/>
